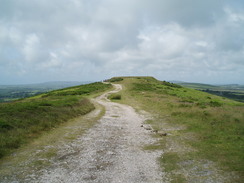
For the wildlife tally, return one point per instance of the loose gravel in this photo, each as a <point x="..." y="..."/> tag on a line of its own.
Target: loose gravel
<point x="111" y="151"/>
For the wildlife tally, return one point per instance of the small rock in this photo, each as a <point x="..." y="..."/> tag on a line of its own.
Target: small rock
<point x="163" y="134"/>
<point x="141" y="125"/>
<point x="148" y="128"/>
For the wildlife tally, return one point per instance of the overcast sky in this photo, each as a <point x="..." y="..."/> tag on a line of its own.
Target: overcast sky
<point x="84" y="40"/>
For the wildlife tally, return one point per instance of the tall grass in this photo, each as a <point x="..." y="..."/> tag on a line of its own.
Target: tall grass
<point x="23" y="120"/>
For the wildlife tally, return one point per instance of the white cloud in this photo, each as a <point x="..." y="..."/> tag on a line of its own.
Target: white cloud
<point x="52" y="62"/>
<point x="163" y="42"/>
<point x="234" y="17"/>
<point x="203" y="44"/>
<point x="31" y="48"/>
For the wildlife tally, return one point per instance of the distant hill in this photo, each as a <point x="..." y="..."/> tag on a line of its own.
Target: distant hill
<point x="13" y="92"/>
<point x="231" y="91"/>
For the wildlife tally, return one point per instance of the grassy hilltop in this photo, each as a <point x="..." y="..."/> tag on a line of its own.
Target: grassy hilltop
<point x="199" y="125"/>
<point x="25" y="119"/>
<point x="212" y="125"/>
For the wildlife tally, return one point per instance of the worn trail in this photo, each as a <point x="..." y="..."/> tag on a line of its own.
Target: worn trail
<point x="111" y="151"/>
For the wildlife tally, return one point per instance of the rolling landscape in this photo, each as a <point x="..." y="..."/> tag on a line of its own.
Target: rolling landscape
<point x="232" y="91"/>
<point x="15" y="92"/>
<point x="129" y="91"/>
<point x="195" y="131"/>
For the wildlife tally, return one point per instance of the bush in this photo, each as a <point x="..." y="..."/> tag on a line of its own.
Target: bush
<point x="117" y="79"/>
<point x="115" y="97"/>
<point x="215" y="104"/>
<point x="171" y="84"/>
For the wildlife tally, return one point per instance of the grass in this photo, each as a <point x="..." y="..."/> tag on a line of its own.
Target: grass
<point x="23" y="120"/>
<point x="216" y="122"/>
<point x="115" y="79"/>
<point x="115" y="96"/>
<point x="78" y="90"/>
<point x="10" y="93"/>
<point x="234" y="92"/>
<point x="42" y="151"/>
<point x="170" y="163"/>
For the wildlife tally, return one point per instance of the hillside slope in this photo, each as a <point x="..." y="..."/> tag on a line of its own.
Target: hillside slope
<point x="203" y="126"/>
<point x="234" y="91"/>
<point x="14" y="92"/>
<point x="25" y="119"/>
<point x="110" y="151"/>
<point x="198" y="136"/>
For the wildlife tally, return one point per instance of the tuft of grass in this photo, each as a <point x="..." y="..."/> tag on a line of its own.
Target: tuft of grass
<point x="115" y="96"/>
<point x="170" y="163"/>
<point x="25" y="119"/>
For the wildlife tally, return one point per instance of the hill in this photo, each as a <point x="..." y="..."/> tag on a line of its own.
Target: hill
<point x="25" y="119"/>
<point x="231" y="91"/>
<point x="196" y="131"/>
<point x="205" y="126"/>
<point x="14" y="92"/>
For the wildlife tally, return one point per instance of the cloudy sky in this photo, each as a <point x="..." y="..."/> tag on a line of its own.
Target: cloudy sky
<point x="84" y="40"/>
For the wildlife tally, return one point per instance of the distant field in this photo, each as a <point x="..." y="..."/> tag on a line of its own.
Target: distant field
<point x="13" y="92"/>
<point x="232" y="91"/>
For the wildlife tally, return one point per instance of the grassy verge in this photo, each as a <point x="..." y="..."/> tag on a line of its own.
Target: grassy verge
<point x="212" y="125"/>
<point x="43" y="151"/>
<point x="25" y="119"/>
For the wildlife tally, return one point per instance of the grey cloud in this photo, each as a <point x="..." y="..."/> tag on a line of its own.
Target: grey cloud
<point x="186" y="12"/>
<point x="79" y="39"/>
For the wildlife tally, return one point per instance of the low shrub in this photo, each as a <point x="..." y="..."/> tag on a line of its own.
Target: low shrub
<point x="215" y="104"/>
<point x="115" y="79"/>
<point x="171" y="84"/>
<point x="115" y="97"/>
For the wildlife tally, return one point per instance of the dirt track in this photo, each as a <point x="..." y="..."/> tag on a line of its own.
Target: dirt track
<point x="111" y="151"/>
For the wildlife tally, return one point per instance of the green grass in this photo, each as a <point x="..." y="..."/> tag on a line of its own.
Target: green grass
<point x="115" y="79"/>
<point x="25" y="119"/>
<point x="10" y="93"/>
<point x="78" y="90"/>
<point x="217" y="123"/>
<point x="170" y="163"/>
<point x="115" y="96"/>
<point x="234" y="92"/>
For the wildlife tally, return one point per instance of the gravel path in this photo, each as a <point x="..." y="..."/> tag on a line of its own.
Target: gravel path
<point x="111" y="151"/>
